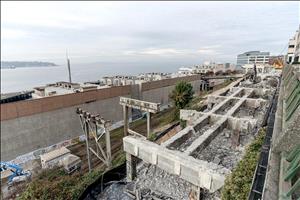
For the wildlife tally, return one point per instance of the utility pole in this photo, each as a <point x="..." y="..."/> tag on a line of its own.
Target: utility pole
<point x="96" y="127"/>
<point x="69" y="68"/>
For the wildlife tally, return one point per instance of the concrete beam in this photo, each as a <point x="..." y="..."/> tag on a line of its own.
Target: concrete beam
<point x="198" y="172"/>
<point x="194" y="117"/>
<point x="203" y="140"/>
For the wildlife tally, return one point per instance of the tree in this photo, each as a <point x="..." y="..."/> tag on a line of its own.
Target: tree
<point x="182" y="94"/>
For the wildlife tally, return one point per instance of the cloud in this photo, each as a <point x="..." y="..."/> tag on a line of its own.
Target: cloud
<point x="158" y="52"/>
<point x="209" y="50"/>
<point x="160" y="30"/>
<point x="7" y="33"/>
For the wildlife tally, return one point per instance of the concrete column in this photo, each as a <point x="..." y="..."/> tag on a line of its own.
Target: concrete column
<point x="108" y="146"/>
<point x="148" y="124"/>
<point x="131" y="162"/>
<point x="195" y="193"/>
<point x="125" y="118"/>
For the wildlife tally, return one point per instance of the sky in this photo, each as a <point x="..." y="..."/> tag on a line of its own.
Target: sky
<point x="137" y="32"/>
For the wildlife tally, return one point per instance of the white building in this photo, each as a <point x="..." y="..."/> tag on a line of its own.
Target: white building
<point x="185" y="71"/>
<point x="252" y="57"/>
<point x="61" y="88"/>
<point x="294" y="48"/>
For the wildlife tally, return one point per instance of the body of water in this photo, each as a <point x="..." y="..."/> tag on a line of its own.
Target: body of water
<point x="19" y="79"/>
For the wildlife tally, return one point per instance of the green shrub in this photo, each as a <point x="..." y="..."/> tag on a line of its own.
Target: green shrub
<point x="182" y="94"/>
<point x="237" y="184"/>
<point x="56" y="184"/>
<point x="182" y="124"/>
<point x="152" y="137"/>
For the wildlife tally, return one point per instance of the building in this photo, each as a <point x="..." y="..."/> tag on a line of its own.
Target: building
<point x="185" y="71"/>
<point x="15" y="96"/>
<point x="294" y="48"/>
<point x="61" y="88"/>
<point x="251" y="57"/>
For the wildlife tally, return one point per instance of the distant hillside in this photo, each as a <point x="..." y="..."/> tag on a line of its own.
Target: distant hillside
<point x="15" y="64"/>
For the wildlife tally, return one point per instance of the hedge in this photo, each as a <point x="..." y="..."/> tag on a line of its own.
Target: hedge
<point x="238" y="183"/>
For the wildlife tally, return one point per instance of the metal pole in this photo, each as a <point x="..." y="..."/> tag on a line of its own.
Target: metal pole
<point x="87" y="145"/>
<point x="148" y="124"/>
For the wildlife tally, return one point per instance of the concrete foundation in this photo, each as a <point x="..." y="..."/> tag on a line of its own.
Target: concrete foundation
<point x="214" y="140"/>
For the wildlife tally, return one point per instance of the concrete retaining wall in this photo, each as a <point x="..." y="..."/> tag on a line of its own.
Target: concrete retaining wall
<point x="158" y="91"/>
<point x="27" y="133"/>
<point x="38" y="123"/>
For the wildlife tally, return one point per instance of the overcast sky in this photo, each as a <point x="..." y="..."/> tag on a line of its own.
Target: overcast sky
<point x="187" y="32"/>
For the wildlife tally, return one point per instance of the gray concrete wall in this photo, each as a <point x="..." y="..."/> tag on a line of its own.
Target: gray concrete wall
<point x="28" y="133"/>
<point x="161" y="95"/>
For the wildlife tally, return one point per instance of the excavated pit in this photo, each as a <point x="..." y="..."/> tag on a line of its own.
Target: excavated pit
<point x="221" y="149"/>
<point x="241" y="93"/>
<point x="256" y="95"/>
<point x="226" y="107"/>
<point x="246" y="111"/>
<point x="181" y="144"/>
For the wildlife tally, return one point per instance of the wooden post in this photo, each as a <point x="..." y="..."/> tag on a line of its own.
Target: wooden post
<point x="87" y="144"/>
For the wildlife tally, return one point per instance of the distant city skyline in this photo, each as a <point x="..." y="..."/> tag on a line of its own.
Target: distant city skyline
<point x="137" y="32"/>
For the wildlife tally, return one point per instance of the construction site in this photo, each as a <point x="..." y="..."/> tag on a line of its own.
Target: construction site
<point x="159" y="156"/>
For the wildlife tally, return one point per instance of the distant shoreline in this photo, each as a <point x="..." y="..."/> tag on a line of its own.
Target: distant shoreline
<point x="22" y="64"/>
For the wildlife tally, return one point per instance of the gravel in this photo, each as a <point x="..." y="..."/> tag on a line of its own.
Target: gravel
<point x="220" y="151"/>
<point x="184" y="145"/>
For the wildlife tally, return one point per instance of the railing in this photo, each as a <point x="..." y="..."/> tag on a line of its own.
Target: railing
<point x="289" y="180"/>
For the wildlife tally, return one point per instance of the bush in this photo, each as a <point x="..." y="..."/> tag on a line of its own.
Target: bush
<point x="182" y="124"/>
<point x="182" y="94"/>
<point x="237" y="184"/>
<point x="152" y="137"/>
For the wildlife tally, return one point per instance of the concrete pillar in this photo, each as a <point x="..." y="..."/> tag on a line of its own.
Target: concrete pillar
<point x="148" y="124"/>
<point x="125" y="118"/>
<point x="131" y="162"/>
<point x="108" y="147"/>
<point x="195" y="193"/>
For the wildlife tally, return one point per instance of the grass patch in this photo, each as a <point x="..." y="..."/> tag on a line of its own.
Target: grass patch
<point x="56" y="184"/>
<point x="237" y="184"/>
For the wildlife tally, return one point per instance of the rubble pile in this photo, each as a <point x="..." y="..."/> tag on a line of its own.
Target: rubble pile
<point x="183" y="146"/>
<point x="221" y="151"/>
<point x="161" y="183"/>
<point x="226" y="107"/>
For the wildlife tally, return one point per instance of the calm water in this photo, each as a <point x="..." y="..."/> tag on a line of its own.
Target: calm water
<point x="13" y="80"/>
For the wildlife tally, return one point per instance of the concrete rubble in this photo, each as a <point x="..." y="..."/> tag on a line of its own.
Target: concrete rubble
<point x="198" y="158"/>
